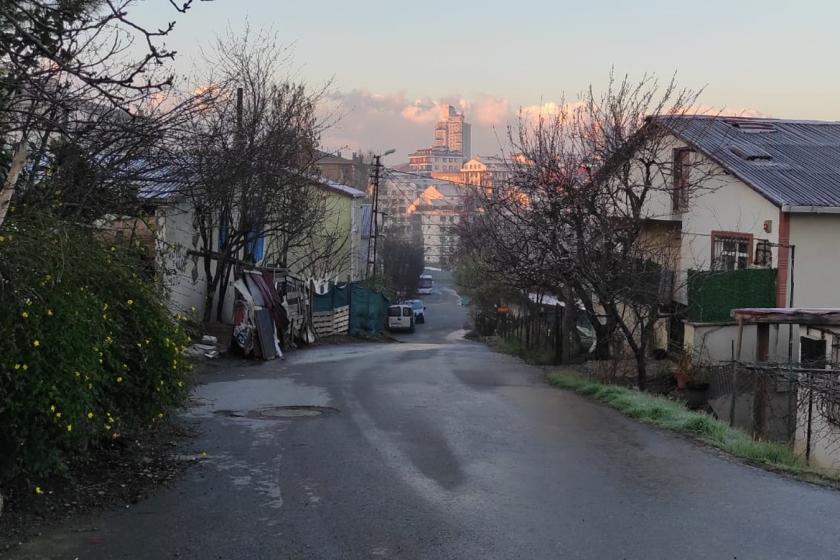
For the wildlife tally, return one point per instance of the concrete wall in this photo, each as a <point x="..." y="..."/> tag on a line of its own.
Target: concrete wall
<point x="713" y="343"/>
<point x="825" y="435"/>
<point x="183" y="274"/>
<point x="817" y="259"/>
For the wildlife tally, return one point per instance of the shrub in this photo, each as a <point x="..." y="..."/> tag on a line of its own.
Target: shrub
<point x="87" y="348"/>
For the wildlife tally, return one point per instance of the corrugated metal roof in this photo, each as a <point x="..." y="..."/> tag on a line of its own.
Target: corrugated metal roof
<point x="158" y="185"/>
<point x="342" y="188"/>
<point x="790" y="162"/>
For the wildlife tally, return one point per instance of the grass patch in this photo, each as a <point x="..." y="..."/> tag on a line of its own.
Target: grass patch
<point x="672" y="415"/>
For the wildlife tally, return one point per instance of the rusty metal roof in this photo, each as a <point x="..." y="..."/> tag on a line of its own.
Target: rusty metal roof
<point x="792" y="163"/>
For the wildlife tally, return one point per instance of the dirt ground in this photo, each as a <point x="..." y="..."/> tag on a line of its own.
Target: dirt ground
<point x="121" y="472"/>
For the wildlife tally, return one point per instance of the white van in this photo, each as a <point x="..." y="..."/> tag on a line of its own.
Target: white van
<point x="400" y="317"/>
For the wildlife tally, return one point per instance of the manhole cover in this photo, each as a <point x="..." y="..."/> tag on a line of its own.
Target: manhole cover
<point x="301" y="411"/>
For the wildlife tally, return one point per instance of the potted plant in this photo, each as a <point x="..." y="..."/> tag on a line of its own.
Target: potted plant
<point x="692" y="379"/>
<point x="684" y="370"/>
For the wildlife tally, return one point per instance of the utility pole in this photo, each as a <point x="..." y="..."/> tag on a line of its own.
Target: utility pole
<point x="377" y="166"/>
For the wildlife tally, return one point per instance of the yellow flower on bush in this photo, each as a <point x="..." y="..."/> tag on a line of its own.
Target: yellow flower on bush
<point x="36" y="343"/>
<point x="90" y="415"/>
<point x="25" y="367"/>
<point x="69" y="427"/>
<point x="52" y="408"/>
<point x="25" y="314"/>
<point x="38" y="490"/>
<point x="17" y="366"/>
<point x="119" y="379"/>
<point x="130" y="302"/>
<point x="49" y="313"/>
<point x="58" y="415"/>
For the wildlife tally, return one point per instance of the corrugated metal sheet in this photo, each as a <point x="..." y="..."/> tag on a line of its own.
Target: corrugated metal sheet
<point x="366" y="220"/>
<point x="158" y="185"/>
<point x="790" y="162"/>
<point x="341" y="188"/>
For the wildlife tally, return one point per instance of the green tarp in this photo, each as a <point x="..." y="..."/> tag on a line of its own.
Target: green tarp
<point x="368" y="311"/>
<point x="713" y="295"/>
<point x="368" y="308"/>
<point x="337" y="296"/>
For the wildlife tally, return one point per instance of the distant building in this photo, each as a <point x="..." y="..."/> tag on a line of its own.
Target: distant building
<point x="424" y="209"/>
<point x="480" y="171"/>
<point x="434" y="216"/>
<point x="334" y="167"/>
<point x="452" y="133"/>
<point x="450" y="148"/>
<point x="426" y="161"/>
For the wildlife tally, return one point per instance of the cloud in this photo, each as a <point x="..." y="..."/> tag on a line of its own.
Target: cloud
<point x="362" y="120"/>
<point x="490" y="111"/>
<point x="422" y="111"/>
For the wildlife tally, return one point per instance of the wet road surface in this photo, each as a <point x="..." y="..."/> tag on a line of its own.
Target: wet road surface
<point x="443" y="449"/>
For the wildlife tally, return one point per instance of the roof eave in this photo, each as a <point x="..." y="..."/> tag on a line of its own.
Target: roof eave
<point x="792" y="209"/>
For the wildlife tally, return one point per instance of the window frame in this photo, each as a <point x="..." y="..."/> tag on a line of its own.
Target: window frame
<point x="679" y="179"/>
<point x="717" y="236"/>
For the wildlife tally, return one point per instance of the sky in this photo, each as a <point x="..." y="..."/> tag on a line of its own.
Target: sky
<point x="388" y="64"/>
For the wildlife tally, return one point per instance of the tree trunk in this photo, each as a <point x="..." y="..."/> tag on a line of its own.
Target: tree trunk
<point x="641" y="367"/>
<point x="9" y="184"/>
<point x="222" y="290"/>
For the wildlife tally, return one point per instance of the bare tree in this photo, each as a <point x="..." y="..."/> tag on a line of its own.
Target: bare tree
<point x="67" y="68"/>
<point x="402" y="263"/>
<point x="587" y="213"/>
<point x="248" y="161"/>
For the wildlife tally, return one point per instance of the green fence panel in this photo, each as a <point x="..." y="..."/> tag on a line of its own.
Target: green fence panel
<point x="368" y="311"/>
<point x="712" y="295"/>
<point x="337" y="296"/>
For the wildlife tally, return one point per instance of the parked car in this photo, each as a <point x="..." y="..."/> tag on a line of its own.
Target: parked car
<point x="419" y="309"/>
<point x="400" y="317"/>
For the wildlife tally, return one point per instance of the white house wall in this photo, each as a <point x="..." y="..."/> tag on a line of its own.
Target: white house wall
<point x="183" y="274"/>
<point x="721" y="203"/>
<point x="727" y="205"/>
<point x="817" y="259"/>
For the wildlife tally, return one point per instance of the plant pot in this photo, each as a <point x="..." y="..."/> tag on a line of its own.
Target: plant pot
<point x="696" y="394"/>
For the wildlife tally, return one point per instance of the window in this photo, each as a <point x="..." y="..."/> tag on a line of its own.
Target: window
<point x="763" y="254"/>
<point x="731" y="251"/>
<point x="679" y="192"/>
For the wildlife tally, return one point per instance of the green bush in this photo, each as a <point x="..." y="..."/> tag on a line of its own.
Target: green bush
<point x="87" y="348"/>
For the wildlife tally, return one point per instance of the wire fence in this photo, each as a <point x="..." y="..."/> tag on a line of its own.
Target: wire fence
<point x="539" y="332"/>
<point x="789" y="402"/>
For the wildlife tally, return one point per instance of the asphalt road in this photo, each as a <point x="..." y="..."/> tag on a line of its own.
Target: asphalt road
<point x="440" y="448"/>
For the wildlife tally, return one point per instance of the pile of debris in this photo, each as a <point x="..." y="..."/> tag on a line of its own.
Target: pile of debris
<point x="207" y="348"/>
